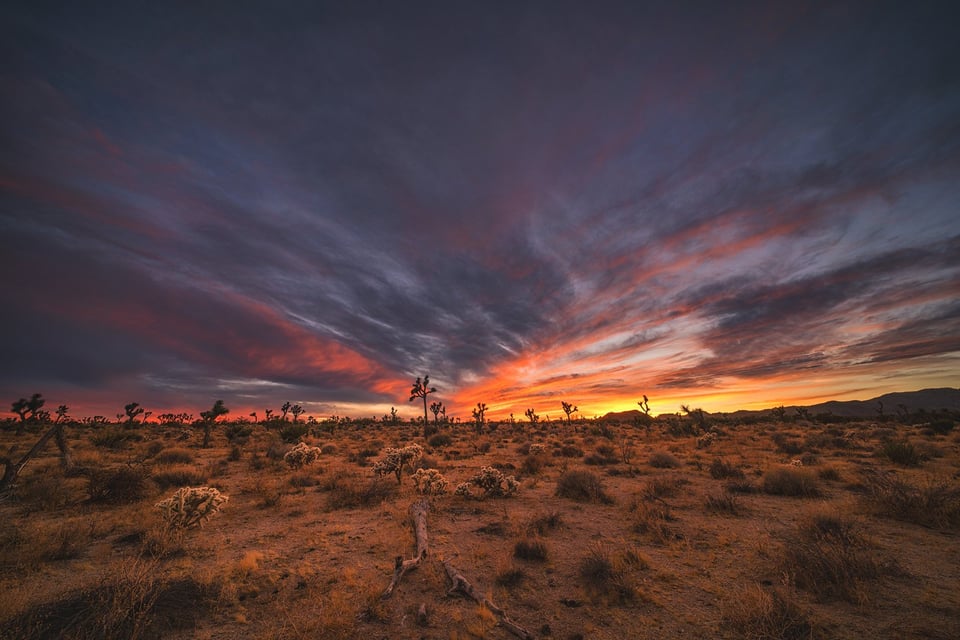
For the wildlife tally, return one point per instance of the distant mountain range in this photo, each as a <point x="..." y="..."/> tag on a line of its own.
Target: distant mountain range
<point x="925" y="399"/>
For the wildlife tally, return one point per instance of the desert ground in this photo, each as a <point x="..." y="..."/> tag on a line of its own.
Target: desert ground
<point x="673" y="527"/>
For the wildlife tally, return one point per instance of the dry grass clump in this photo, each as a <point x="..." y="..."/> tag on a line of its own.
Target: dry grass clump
<point x="351" y="493"/>
<point x="605" y="578"/>
<point x="121" y="485"/>
<point x="662" y="487"/>
<point x="757" y="614"/>
<point x="131" y="601"/>
<point x="530" y="549"/>
<point x="901" y="452"/>
<point x="828" y="559"/>
<point x="935" y="504"/>
<point x="541" y="524"/>
<point x="582" y="486"/>
<point x="720" y="469"/>
<point x="650" y="518"/>
<point x="791" y="481"/>
<point x="724" y="504"/>
<point x="174" y="456"/>
<point x="663" y="460"/>
<point x="179" y="477"/>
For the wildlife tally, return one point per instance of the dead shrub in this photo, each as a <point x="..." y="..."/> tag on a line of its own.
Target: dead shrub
<point x="174" y="456"/>
<point x="725" y="504"/>
<point x="720" y="469"/>
<point x="582" y="486"/>
<point x="605" y="579"/>
<point x="757" y="614"/>
<point x="663" y="460"/>
<point x="934" y="504"/>
<point x="791" y="481"/>
<point x="180" y="477"/>
<point x="122" y="485"/>
<point x="530" y="549"/>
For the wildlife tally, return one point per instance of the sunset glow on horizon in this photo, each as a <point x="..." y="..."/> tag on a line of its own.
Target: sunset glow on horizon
<point x="738" y="207"/>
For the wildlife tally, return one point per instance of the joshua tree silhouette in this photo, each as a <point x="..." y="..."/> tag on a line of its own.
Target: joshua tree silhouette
<point x="421" y="389"/>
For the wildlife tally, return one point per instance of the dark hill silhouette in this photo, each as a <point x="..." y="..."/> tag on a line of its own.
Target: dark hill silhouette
<point x="931" y="400"/>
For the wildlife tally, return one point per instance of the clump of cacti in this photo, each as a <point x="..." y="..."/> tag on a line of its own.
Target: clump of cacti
<point x="429" y="482"/>
<point x="395" y="459"/>
<point x="190" y="506"/>
<point x="491" y="482"/>
<point x="301" y="455"/>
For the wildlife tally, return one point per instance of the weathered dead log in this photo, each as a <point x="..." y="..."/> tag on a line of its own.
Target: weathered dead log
<point x="418" y="513"/>
<point x="462" y="585"/>
<point x="12" y="470"/>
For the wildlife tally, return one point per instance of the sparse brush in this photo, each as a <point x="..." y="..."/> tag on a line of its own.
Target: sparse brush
<point x="829" y="567"/>
<point x="663" y="460"/>
<point x="744" y="487"/>
<point x="544" y="523"/>
<point x="582" y="486"/>
<point x="115" y="438"/>
<point x="662" y="487"/>
<point x="757" y="614"/>
<point x="510" y="577"/>
<point x="934" y="504"/>
<point x="725" y="504"/>
<point x="650" y="520"/>
<point x="352" y="494"/>
<point x="183" y="477"/>
<point x="721" y="469"/>
<point x="901" y="452"/>
<point x="174" y="456"/>
<point x="605" y="579"/>
<point x="831" y="474"/>
<point x="121" y="485"/>
<point x="530" y="549"/>
<point x="791" y="481"/>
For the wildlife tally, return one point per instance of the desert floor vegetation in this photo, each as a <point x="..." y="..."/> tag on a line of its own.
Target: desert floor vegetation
<point x="788" y="529"/>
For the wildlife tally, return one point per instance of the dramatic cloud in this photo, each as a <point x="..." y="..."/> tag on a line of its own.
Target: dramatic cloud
<point x="731" y="206"/>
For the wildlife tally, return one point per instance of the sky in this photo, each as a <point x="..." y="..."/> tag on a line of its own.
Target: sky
<point x="724" y="205"/>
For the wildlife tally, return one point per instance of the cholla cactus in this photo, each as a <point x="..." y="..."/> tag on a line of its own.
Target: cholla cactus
<point x="493" y="483"/>
<point x="463" y="490"/>
<point x="538" y="448"/>
<point x="706" y="440"/>
<point x="301" y="455"/>
<point x="190" y="506"/>
<point x="394" y="460"/>
<point x="429" y="482"/>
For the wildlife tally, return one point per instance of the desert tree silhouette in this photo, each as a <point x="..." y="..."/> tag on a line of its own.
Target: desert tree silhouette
<point x="436" y="408"/>
<point x="210" y="417"/>
<point x="568" y="409"/>
<point x="478" y="414"/>
<point x="28" y="410"/>
<point x="132" y="410"/>
<point x="421" y="389"/>
<point x="297" y="411"/>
